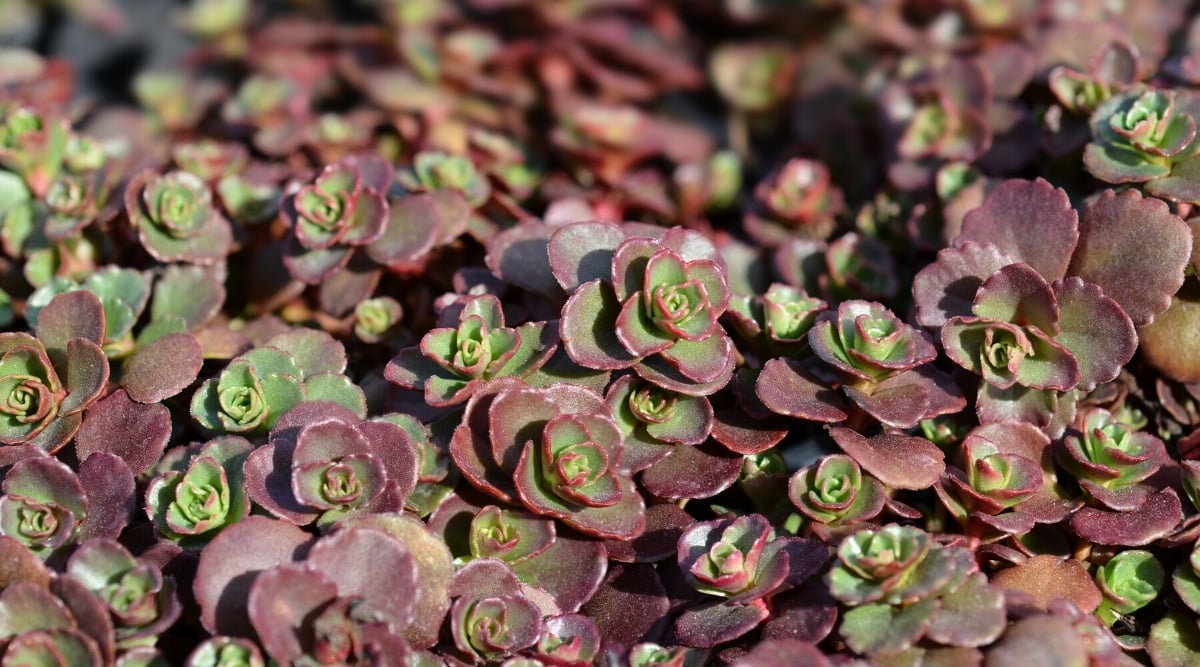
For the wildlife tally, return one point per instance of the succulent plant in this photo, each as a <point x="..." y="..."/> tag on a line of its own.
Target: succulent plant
<point x="835" y="491"/>
<point x="1129" y="580"/>
<point x="452" y="362"/>
<point x="48" y="380"/>
<point x="141" y="601"/>
<point x="662" y="298"/>
<point x="176" y="218"/>
<point x="1145" y="136"/>
<point x="43" y="506"/>
<point x="345" y="207"/>
<point x="902" y="587"/>
<point x="199" y="490"/>
<point x="1109" y="459"/>
<point x="556" y="450"/>
<point x="259" y="386"/>
<point x="322" y="465"/>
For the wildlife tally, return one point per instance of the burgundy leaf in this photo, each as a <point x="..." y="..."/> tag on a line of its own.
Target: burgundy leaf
<point x="570" y="570"/>
<point x="1155" y="518"/>
<point x="1045" y="578"/>
<point x="163" y="368"/>
<point x="230" y="562"/>
<point x="1115" y="233"/>
<point x="520" y="256"/>
<point x="435" y="571"/>
<point x="69" y="316"/>
<point x="136" y="432"/>
<point x="1032" y="221"/>
<point x="628" y="607"/>
<point x="787" y="389"/>
<point x="108" y="484"/>
<point x="693" y="472"/>
<point x="665" y="522"/>
<point x="947" y="287"/>
<point x="708" y="625"/>
<point x="899" y="461"/>
<point x="807" y="613"/>
<point x="358" y="561"/>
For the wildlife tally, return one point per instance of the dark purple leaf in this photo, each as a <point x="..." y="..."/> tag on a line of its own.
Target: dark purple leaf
<point x="1155" y="518"/>
<point x="806" y="614"/>
<point x="784" y="652"/>
<point x="230" y="562"/>
<point x="136" y="432"/>
<point x="519" y="255"/>
<point x="69" y="316"/>
<point x="358" y="561"/>
<point x="280" y="602"/>
<point x="435" y="571"/>
<point x="665" y="522"/>
<point x="19" y="564"/>
<point x="108" y="484"/>
<point x="786" y="388"/>
<point x="1032" y="221"/>
<point x="693" y="472"/>
<point x="629" y="606"/>
<point x="163" y="368"/>
<point x="708" y="625"/>
<point x="899" y="461"/>
<point x="570" y="570"/>
<point x="1116" y="231"/>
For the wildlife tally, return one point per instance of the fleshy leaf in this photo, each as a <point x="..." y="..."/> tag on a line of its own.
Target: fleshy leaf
<point x="1115" y="232"/>
<point x="1032" y="221"/>
<point x="899" y="461"/>
<point x="1094" y="328"/>
<point x="163" y="368"/>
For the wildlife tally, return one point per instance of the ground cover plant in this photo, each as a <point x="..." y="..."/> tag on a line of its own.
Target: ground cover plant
<point x="600" y="332"/>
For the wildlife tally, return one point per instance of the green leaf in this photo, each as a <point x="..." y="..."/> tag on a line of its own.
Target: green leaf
<point x="337" y="388"/>
<point x="879" y="628"/>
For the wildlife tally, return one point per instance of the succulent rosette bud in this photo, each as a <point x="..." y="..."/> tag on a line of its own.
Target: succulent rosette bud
<point x="866" y="341"/>
<point x="557" y="450"/>
<point x="1146" y="136"/>
<point x="797" y="200"/>
<point x="343" y="208"/>
<point x="43" y="506"/>
<point x="653" y="420"/>
<point x="662" y="297"/>
<point x="882" y="365"/>
<point x="903" y="587"/>
<point x="47" y="381"/>
<point x="139" y="598"/>
<point x="434" y="170"/>
<point x="491" y="617"/>
<point x="323" y="464"/>
<point x="375" y="319"/>
<point x="778" y="321"/>
<point x="742" y="561"/>
<point x="835" y="491"/>
<point x="1129" y="581"/>
<point x="176" y="218"/>
<point x="199" y="491"/>
<point x="260" y="385"/>
<point x="1110" y="459"/>
<point x="452" y="362"/>
<point x="1006" y="483"/>
<point x="32" y="144"/>
<point x="221" y="651"/>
